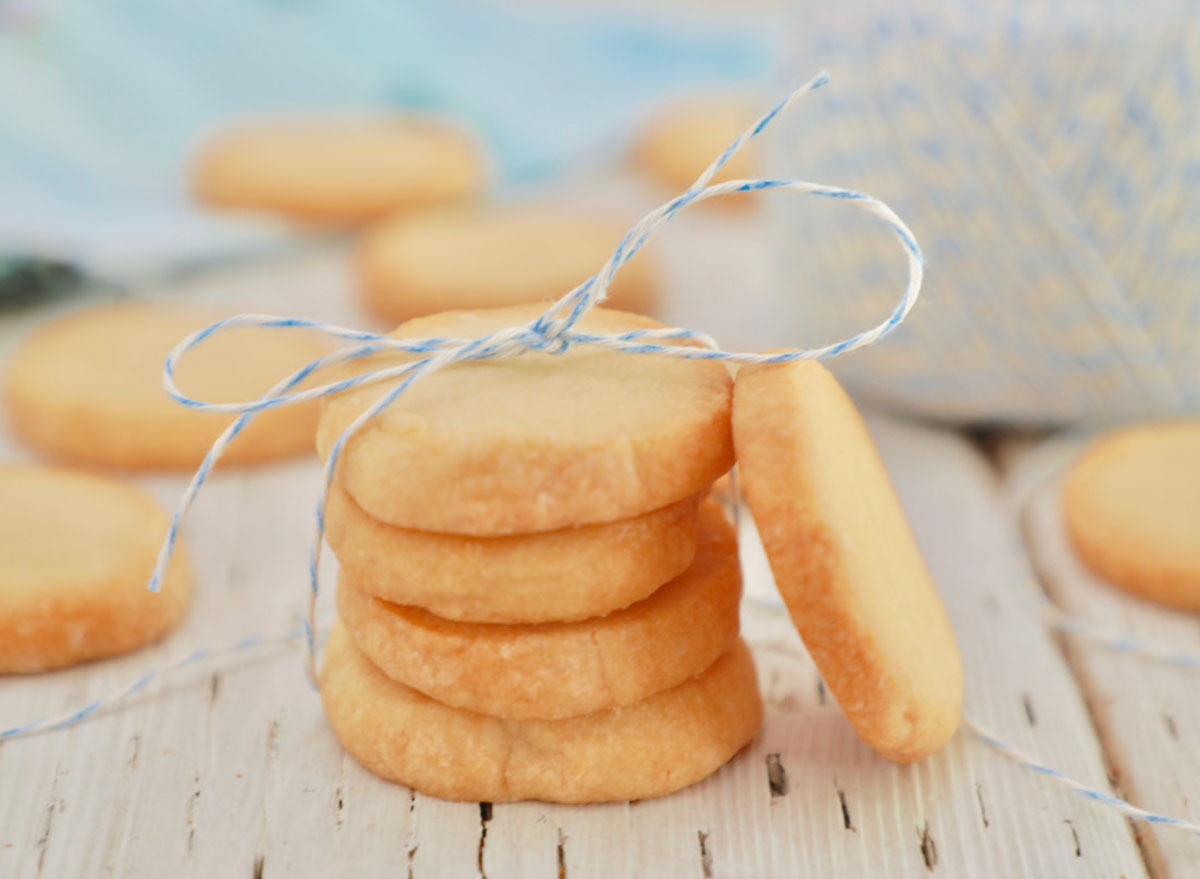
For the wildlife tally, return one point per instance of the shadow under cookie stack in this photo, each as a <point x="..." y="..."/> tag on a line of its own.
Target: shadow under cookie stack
<point x="537" y="597"/>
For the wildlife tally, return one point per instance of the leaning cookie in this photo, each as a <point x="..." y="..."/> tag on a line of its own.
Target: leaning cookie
<point x="534" y="443"/>
<point x="844" y="558"/>
<point x="1131" y="505"/>
<point x="76" y="552"/>
<point x="648" y="749"/>
<point x="564" y="575"/>
<point x="484" y="257"/>
<point x="558" y="670"/>
<point x="338" y="170"/>
<point x="87" y="388"/>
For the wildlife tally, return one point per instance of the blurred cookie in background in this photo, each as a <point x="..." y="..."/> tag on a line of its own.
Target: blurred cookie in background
<point x="87" y="388"/>
<point x="485" y="257"/>
<point x="680" y="140"/>
<point x="76" y="552"/>
<point x="1131" y="505"/>
<point x="338" y="171"/>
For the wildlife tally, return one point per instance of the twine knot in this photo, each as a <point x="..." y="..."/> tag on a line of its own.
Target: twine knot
<point x="548" y="336"/>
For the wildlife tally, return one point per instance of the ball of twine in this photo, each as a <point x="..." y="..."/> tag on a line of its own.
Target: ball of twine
<point x="1049" y="162"/>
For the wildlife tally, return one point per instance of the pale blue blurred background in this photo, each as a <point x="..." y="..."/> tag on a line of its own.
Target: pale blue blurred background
<point x="103" y="101"/>
<point x="1047" y="157"/>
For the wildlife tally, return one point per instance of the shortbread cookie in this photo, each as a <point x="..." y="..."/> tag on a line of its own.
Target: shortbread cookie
<point x="76" y="552"/>
<point x="338" y="170"/>
<point x="535" y="442"/>
<point x="569" y="574"/>
<point x="469" y="258"/>
<point x="679" y="142"/>
<point x="557" y="670"/>
<point x="667" y="742"/>
<point x="845" y="560"/>
<point x="1132" y="509"/>
<point x="88" y="388"/>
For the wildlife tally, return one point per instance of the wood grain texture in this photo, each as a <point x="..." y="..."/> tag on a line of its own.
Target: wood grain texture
<point x="1146" y="712"/>
<point x="230" y="769"/>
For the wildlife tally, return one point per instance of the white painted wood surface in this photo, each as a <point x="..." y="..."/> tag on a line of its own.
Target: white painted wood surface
<point x="1147" y="713"/>
<point x="230" y="770"/>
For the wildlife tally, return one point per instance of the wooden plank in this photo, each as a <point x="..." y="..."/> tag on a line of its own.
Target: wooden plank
<point x="596" y="840"/>
<point x="1146" y="712"/>
<point x="522" y="839"/>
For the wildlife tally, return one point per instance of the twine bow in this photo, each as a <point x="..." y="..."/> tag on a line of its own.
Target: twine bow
<point x="554" y="332"/>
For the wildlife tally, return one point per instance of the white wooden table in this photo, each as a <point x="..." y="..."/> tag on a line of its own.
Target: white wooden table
<point x="230" y="769"/>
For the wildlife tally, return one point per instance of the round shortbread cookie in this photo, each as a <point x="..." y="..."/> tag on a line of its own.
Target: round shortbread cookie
<point x="88" y="388"/>
<point x="76" y="552"/>
<point x="338" y="170"/>
<point x="678" y="143"/>
<point x="1131" y="504"/>
<point x="845" y="560"/>
<point x="557" y="670"/>
<point x="536" y="442"/>
<point x="485" y="257"/>
<point x="667" y="742"/>
<point x="554" y="576"/>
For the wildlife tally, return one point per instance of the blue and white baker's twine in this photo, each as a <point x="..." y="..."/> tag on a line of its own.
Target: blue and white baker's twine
<point x="554" y="332"/>
<point x="1098" y="796"/>
<point x="196" y="657"/>
<point x="1117" y="642"/>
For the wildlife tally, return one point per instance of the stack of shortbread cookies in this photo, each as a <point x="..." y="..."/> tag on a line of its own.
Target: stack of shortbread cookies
<point x="537" y="599"/>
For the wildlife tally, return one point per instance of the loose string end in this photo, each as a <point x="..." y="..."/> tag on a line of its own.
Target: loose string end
<point x="1077" y="787"/>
